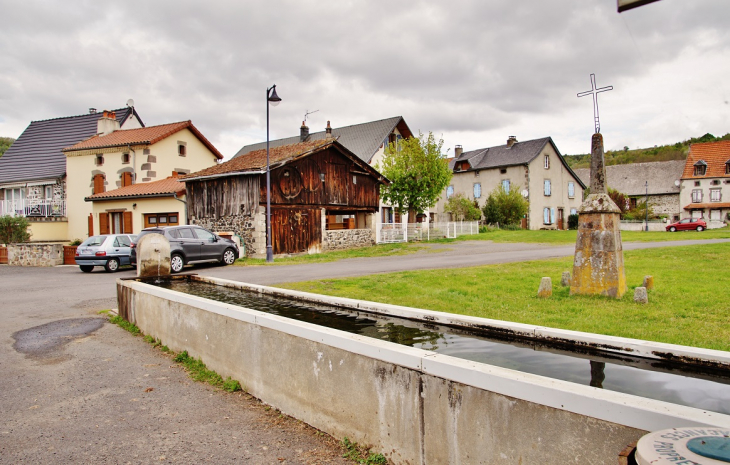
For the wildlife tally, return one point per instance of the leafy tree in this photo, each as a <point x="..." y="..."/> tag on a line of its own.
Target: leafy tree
<point x="462" y="208"/>
<point x="621" y="200"/>
<point x="639" y="212"/>
<point x="5" y="143"/>
<point x="13" y="229"/>
<point x="418" y="173"/>
<point x="505" y="208"/>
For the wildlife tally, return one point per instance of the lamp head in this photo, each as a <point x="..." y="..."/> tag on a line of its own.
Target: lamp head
<point x="273" y="98"/>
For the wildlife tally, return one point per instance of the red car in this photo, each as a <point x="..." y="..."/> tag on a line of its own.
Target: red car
<point x="687" y="224"/>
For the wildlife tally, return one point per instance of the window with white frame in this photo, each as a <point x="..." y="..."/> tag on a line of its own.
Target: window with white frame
<point x="477" y="190"/>
<point x="715" y="195"/>
<point x="547" y="161"/>
<point x="571" y="189"/>
<point x="546" y="215"/>
<point x="696" y="195"/>
<point x="573" y="211"/>
<point x="715" y="215"/>
<point x="700" y="168"/>
<point x="449" y="191"/>
<point x="547" y="187"/>
<point x="505" y="185"/>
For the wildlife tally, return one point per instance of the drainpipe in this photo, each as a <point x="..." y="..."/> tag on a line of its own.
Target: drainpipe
<point x="186" y="207"/>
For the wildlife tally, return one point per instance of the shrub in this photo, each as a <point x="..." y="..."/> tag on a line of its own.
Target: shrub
<point x="462" y="208"/>
<point x="13" y="229"/>
<point x="573" y="221"/>
<point x="505" y="208"/>
<point x="75" y="242"/>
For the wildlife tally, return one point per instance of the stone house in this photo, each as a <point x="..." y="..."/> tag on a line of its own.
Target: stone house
<point x="366" y="140"/>
<point x="662" y="179"/>
<point x="33" y="171"/>
<point x="705" y="182"/>
<point x="117" y="158"/>
<point x="534" y="167"/>
<point x="323" y="197"/>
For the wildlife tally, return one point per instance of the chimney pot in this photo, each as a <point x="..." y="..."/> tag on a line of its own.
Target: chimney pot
<point x="107" y="123"/>
<point x="303" y="132"/>
<point x="92" y="111"/>
<point x="328" y="129"/>
<point x="458" y="150"/>
<point x="511" y="141"/>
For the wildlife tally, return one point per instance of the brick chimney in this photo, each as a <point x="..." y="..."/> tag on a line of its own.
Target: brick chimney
<point x="107" y="123"/>
<point x="328" y="130"/>
<point x="303" y="132"/>
<point x="458" y="150"/>
<point x="511" y="141"/>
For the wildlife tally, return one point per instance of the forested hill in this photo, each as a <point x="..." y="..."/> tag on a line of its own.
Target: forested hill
<point x="5" y="143"/>
<point x="677" y="151"/>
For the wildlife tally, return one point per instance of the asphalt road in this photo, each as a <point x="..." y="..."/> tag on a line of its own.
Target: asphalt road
<point x="77" y="389"/>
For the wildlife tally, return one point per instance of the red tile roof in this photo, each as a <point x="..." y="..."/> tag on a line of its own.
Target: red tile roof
<point x="715" y="154"/>
<point x="711" y="206"/>
<point x="147" y="136"/>
<point x="256" y="160"/>
<point x="162" y="188"/>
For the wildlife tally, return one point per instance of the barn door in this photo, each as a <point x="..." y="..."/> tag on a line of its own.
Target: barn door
<point x="295" y="230"/>
<point x="336" y="183"/>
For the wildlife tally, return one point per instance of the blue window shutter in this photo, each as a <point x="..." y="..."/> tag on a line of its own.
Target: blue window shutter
<point x="547" y="187"/>
<point x="552" y="216"/>
<point x="546" y="215"/>
<point x="571" y="189"/>
<point x="505" y="185"/>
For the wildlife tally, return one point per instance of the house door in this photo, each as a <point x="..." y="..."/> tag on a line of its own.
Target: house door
<point x="560" y="218"/>
<point x="296" y="230"/>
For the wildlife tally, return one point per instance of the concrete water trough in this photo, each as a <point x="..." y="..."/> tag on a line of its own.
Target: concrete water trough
<point x="416" y="405"/>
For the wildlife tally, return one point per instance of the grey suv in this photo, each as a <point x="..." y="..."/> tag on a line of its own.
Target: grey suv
<point x="192" y="244"/>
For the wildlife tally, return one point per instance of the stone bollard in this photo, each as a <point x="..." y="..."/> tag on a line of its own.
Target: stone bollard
<point x="648" y="282"/>
<point x="640" y="296"/>
<point x="153" y="256"/>
<point x="546" y="287"/>
<point x="565" y="279"/>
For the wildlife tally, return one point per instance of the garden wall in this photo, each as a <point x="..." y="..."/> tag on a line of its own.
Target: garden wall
<point x="35" y="254"/>
<point x="341" y="239"/>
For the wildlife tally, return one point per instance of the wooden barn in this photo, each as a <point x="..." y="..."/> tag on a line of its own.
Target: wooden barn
<point x="323" y="197"/>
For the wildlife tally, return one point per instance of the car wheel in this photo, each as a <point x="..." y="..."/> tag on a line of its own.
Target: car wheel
<point x="672" y="229"/>
<point x="229" y="256"/>
<point x="112" y="265"/>
<point x="700" y="228"/>
<point x="86" y="268"/>
<point x="176" y="263"/>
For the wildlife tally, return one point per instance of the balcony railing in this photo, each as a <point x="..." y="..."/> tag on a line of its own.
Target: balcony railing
<point x="33" y="208"/>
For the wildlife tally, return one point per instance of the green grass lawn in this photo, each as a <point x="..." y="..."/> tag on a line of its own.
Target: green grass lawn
<point x="501" y="235"/>
<point x="688" y="306"/>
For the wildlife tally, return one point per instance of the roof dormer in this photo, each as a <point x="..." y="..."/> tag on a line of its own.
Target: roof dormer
<point x="700" y="168"/>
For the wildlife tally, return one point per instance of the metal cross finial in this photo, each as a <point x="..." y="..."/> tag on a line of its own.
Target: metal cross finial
<point x="595" y="91"/>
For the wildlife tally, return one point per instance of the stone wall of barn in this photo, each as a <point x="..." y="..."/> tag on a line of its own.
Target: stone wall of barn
<point x="250" y="228"/>
<point x="341" y="239"/>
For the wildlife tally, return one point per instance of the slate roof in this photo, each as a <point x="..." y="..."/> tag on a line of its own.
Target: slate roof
<point x="255" y="162"/>
<point x="163" y="188"/>
<point x="631" y="178"/>
<point x="715" y="154"/>
<point x="520" y="153"/>
<point x="141" y="136"/>
<point x="364" y="139"/>
<point x="36" y="154"/>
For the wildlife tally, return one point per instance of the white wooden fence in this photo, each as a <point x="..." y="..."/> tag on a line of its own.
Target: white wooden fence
<point x="398" y="232"/>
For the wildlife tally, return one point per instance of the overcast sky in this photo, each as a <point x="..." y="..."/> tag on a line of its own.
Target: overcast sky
<point x="472" y="71"/>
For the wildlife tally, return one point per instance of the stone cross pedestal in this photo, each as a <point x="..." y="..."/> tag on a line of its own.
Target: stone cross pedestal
<point x="598" y="266"/>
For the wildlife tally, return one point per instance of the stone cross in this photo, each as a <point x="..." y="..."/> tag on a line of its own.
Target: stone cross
<point x="595" y="91"/>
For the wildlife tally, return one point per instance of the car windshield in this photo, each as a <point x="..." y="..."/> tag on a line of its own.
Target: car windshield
<point x="94" y="241"/>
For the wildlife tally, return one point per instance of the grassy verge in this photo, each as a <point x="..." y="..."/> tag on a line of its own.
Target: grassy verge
<point x="688" y="305"/>
<point x="380" y="250"/>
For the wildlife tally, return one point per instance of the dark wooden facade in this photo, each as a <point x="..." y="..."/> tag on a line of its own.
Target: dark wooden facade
<point x="332" y="179"/>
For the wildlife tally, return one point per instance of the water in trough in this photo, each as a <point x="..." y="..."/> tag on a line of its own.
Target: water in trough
<point x="698" y="387"/>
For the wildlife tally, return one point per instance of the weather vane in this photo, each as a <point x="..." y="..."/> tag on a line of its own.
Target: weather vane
<point x="595" y="91"/>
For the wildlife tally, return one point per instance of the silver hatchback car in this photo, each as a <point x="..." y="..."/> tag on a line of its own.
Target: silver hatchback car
<point x="108" y="250"/>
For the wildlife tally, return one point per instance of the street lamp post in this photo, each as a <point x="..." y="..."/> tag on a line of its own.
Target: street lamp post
<point x="273" y="99"/>
<point x="646" y="207"/>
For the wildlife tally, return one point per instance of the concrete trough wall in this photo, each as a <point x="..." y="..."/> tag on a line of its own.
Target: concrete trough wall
<point x="414" y="406"/>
